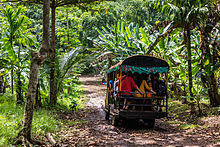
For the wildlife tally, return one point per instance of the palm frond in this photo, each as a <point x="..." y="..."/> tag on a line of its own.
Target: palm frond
<point x="66" y="64"/>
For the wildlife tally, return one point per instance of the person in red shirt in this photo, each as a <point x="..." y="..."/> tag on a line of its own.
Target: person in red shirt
<point x="127" y="83"/>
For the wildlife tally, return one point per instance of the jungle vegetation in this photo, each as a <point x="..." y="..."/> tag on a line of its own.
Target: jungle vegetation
<point x="45" y="45"/>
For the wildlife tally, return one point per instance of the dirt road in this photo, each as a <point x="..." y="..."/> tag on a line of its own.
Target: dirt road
<point x="94" y="130"/>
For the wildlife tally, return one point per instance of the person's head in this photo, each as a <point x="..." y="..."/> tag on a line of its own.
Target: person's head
<point x="151" y="76"/>
<point x="145" y="76"/>
<point x="157" y="75"/>
<point x="123" y="73"/>
<point x="110" y="82"/>
<point x="163" y="75"/>
<point x="136" y="75"/>
<point x="129" y="74"/>
<point x="149" y="83"/>
<point x="117" y="76"/>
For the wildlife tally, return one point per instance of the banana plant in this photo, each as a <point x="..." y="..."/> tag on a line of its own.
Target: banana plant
<point x="121" y="40"/>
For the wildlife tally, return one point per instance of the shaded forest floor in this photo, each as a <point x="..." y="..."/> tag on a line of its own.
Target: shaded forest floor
<point x="88" y="127"/>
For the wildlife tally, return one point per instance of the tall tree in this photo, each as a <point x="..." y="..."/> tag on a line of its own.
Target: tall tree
<point x="207" y="25"/>
<point x="181" y="12"/>
<point x="37" y="58"/>
<point x="204" y="16"/>
<point x="53" y="89"/>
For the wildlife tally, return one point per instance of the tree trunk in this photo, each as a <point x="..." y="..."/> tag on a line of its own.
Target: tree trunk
<point x="12" y="68"/>
<point x="12" y="79"/>
<point x="68" y="36"/>
<point x="1" y="84"/>
<point x="68" y="90"/>
<point x="214" y="89"/>
<point x="37" y="58"/>
<point x="214" y="82"/>
<point x="19" y="84"/>
<point x="38" y="103"/>
<point x="193" y="108"/>
<point x="189" y="61"/>
<point x="4" y="86"/>
<point x="209" y="80"/>
<point x="28" y="114"/>
<point x="18" y="89"/>
<point x="53" y="89"/>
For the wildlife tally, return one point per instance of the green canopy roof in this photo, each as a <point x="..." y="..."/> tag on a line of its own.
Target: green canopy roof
<point x="140" y="70"/>
<point x="141" y="64"/>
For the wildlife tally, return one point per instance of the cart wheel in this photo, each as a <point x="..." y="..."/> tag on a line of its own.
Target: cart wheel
<point x="107" y="115"/>
<point x="150" y="122"/>
<point x="115" y="121"/>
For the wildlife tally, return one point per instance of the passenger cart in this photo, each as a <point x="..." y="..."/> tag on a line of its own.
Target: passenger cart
<point x="152" y="108"/>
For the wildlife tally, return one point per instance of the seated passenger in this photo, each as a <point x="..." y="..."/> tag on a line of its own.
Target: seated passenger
<point x="111" y="86"/>
<point x="142" y="87"/>
<point x="149" y="95"/>
<point x="160" y="87"/>
<point x="127" y="83"/>
<point x="116" y="84"/>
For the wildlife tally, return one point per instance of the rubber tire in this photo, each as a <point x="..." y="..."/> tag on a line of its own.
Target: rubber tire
<point x="115" y="121"/>
<point x="151" y="123"/>
<point x="107" y="115"/>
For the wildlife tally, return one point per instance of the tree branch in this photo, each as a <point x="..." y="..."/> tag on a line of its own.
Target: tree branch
<point x="169" y="28"/>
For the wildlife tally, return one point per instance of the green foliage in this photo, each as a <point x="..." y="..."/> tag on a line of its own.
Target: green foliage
<point x="109" y="12"/>
<point x="7" y="99"/>
<point x="112" y="31"/>
<point x="15" y="32"/>
<point x="119" y="41"/>
<point x="11" y="119"/>
<point x="187" y="126"/>
<point x="71" y="97"/>
<point x="68" y="60"/>
<point x="181" y="112"/>
<point x="68" y="26"/>
<point x="185" y="11"/>
<point x="45" y="119"/>
<point x="10" y="122"/>
<point x="17" y="42"/>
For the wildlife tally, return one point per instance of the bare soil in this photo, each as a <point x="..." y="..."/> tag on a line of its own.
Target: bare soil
<point x="91" y="128"/>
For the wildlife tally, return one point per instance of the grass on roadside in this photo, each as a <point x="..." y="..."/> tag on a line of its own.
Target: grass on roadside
<point x="45" y="119"/>
<point x="11" y="120"/>
<point x="180" y="114"/>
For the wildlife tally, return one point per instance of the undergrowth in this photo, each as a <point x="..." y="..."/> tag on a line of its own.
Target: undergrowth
<point x="45" y="119"/>
<point x="11" y="122"/>
<point x="181" y="114"/>
<point x="72" y="99"/>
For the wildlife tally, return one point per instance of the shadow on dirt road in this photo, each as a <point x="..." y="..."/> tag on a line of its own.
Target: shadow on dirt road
<point x="94" y="130"/>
